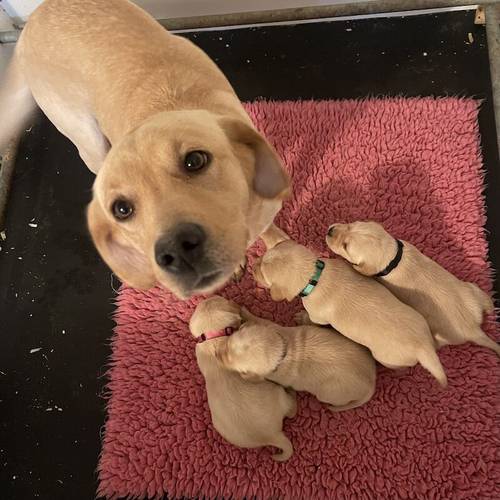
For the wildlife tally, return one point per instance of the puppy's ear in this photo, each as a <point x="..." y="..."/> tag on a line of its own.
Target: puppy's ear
<point x="270" y="179"/>
<point x="127" y="263"/>
<point x="273" y="235"/>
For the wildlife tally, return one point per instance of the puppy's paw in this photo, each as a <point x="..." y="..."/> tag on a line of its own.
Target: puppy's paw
<point x="240" y="270"/>
<point x="302" y="318"/>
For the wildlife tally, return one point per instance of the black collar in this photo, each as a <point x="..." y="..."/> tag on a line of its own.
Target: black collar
<point x="394" y="262"/>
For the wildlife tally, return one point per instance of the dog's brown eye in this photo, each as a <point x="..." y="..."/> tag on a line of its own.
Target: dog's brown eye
<point x="122" y="209"/>
<point x="196" y="160"/>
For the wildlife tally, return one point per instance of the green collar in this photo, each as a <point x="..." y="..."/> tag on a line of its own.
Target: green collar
<point x="320" y="265"/>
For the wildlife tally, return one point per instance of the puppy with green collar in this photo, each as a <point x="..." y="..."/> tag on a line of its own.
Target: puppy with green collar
<point x="357" y="306"/>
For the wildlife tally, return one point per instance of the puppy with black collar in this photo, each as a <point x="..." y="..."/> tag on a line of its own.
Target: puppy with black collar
<point x="310" y="358"/>
<point x="454" y="309"/>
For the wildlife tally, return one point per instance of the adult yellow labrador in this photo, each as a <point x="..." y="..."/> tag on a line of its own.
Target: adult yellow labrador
<point x="184" y="181"/>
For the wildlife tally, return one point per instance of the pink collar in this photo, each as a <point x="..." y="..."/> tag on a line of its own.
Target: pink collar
<point x="216" y="334"/>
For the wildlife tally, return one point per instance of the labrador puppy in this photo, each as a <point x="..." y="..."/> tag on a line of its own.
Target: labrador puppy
<point x="246" y="414"/>
<point x="184" y="181"/>
<point x="454" y="309"/>
<point x="308" y="358"/>
<point x="357" y="306"/>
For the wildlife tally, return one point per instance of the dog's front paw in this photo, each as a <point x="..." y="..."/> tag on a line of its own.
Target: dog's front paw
<point x="240" y="270"/>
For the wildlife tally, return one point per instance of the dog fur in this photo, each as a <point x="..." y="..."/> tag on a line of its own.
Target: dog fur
<point x="134" y="99"/>
<point x="454" y="309"/>
<point x="357" y="306"/>
<point x="308" y="358"/>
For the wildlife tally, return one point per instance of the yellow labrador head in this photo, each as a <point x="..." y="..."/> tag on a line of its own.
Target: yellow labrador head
<point x="366" y="245"/>
<point x="179" y="199"/>
<point x="254" y="351"/>
<point x="215" y="313"/>
<point x="280" y="269"/>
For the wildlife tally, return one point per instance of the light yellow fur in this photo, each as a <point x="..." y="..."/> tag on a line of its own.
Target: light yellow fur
<point x="308" y="358"/>
<point x="454" y="309"/>
<point x="246" y="414"/>
<point x="357" y="306"/>
<point x="134" y="99"/>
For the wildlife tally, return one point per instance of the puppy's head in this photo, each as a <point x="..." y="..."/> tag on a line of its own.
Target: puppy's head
<point x="178" y="200"/>
<point x="278" y="267"/>
<point x="253" y="351"/>
<point x="366" y="245"/>
<point x="215" y="313"/>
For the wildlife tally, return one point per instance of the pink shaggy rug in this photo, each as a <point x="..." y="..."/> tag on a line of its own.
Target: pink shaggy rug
<point x="413" y="164"/>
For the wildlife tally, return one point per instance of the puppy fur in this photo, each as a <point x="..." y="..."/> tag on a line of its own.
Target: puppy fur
<point x="308" y="358"/>
<point x="135" y="99"/>
<point x="454" y="309"/>
<point x="357" y="306"/>
<point x="246" y="414"/>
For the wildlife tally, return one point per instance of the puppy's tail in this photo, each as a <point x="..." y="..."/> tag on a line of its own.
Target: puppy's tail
<point x="480" y="338"/>
<point x="282" y="442"/>
<point x="483" y="298"/>
<point x="429" y="359"/>
<point x="16" y="102"/>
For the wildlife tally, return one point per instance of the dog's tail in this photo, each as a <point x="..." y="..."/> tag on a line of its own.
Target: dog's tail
<point x="429" y="359"/>
<point x="16" y="102"/>
<point x="285" y="445"/>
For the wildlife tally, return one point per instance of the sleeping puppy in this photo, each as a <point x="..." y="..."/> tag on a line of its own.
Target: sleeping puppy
<point x="246" y="414"/>
<point x="308" y="358"/>
<point x="454" y="309"/>
<point x="358" y="307"/>
<point x="184" y="183"/>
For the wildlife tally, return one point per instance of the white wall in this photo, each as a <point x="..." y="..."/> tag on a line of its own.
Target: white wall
<point x="162" y="9"/>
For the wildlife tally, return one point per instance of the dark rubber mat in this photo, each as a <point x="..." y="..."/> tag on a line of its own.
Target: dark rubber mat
<point x="56" y="297"/>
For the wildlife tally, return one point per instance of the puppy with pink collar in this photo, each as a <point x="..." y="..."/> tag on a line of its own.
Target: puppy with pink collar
<point x="247" y="414"/>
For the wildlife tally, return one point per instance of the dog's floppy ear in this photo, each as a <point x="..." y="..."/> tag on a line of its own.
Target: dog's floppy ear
<point x="126" y="262"/>
<point x="270" y="179"/>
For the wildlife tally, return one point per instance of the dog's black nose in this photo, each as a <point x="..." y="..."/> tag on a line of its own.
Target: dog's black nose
<point x="331" y="230"/>
<point x="181" y="249"/>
